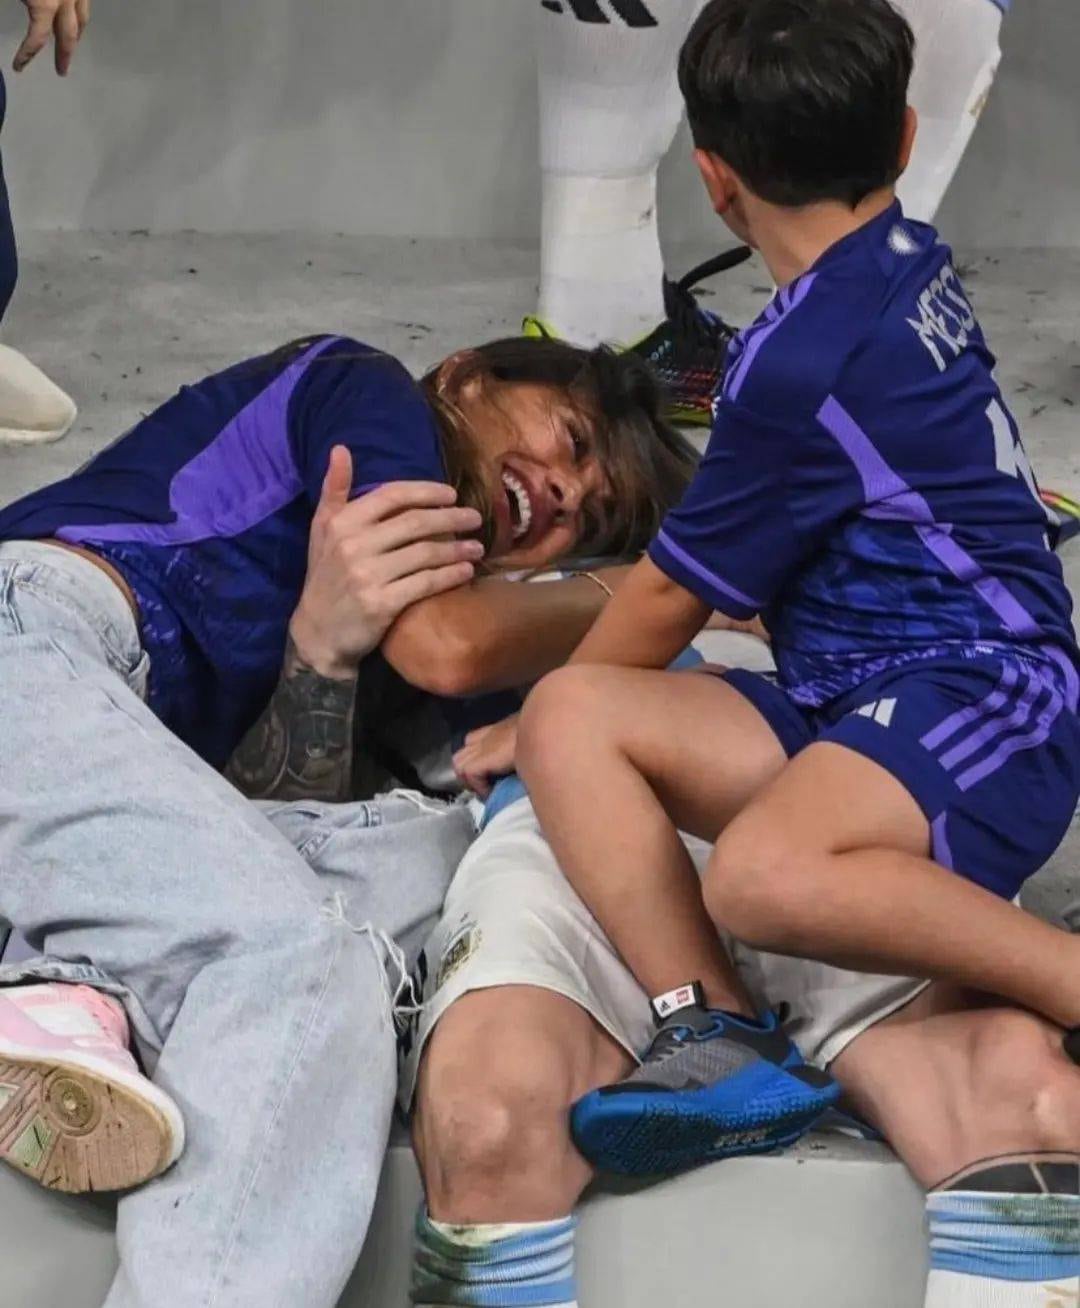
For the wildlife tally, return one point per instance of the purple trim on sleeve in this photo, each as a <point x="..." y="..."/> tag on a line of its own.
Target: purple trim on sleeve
<point x="244" y="475"/>
<point x="797" y="292"/>
<point x="939" y="842"/>
<point x="700" y="571"/>
<point x="889" y="497"/>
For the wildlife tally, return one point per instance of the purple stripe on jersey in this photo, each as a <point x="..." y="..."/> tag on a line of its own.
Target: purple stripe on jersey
<point x="798" y="292"/>
<point x="1021" y="715"/>
<point x="1013" y="744"/>
<point x="964" y="568"/>
<point x="245" y="474"/>
<point x="881" y="483"/>
<point x="939" y="842"/>
<point x="710" y="578"/>
<point x="985" y="708"/>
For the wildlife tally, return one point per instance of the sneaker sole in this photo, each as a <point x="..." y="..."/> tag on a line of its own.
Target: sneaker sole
<point x="75" y="1130"/>
<point x="651" y="1135"/>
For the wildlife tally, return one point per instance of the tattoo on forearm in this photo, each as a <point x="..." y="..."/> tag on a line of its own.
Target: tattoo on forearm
<point x="302" y="745"/>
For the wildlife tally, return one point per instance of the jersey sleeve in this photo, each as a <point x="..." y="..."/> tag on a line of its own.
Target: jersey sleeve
<point x="760" y="504"/>
<point x="353" y="395"/>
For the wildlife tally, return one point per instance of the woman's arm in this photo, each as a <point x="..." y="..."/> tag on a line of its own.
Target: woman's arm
<point x="495" y="634"/>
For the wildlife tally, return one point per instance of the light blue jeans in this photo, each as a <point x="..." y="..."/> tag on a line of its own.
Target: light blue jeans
<point x="228" y="930"/>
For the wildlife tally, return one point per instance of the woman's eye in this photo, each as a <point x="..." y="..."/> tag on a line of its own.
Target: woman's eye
<point x="578" y="441"/>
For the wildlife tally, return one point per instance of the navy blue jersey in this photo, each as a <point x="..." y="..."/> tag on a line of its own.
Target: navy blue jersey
<point x="865" y="487"/>
<point x="206" y="505"/>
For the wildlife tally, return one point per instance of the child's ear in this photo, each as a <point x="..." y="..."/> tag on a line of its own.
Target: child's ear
<point x="907" y="137"/>
<point x="718" y="178"/>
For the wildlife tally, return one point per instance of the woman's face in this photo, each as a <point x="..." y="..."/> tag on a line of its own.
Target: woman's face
<point x="545" y="481"/>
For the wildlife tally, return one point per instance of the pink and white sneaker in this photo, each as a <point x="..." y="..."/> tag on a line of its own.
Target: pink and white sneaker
<point x="76" y="1113"/>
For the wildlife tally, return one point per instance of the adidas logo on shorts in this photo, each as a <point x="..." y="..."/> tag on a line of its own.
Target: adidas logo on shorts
<point x="880" y="710"/>
<point x="632" y="12"/>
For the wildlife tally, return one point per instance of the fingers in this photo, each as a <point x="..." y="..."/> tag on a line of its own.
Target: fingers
<point x="405" y="529"/>
<point x="410" y="590"/>
<point x="37" y="34"/>
<point x="338" y="480"/>
<point x="426" y="556"/>
<point x="66" y="30"/>
<point x="82" y="12"/>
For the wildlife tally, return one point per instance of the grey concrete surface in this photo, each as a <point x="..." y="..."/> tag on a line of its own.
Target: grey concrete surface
<point x="850" y="1215"/>
<point x="418" y="117"/>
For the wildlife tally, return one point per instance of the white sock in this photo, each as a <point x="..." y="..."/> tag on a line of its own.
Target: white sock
<point x="956" y="57"/>
<point x="609" y="109"/>
<point x="1006" y="1237"/>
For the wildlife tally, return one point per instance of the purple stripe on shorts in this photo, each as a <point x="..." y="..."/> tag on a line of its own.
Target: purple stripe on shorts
<point x="1013" y="744"/>
<point x="939" y="842"/>
<point x="1072" y="678"/>
<point x="244" y="475"/>
<point x="798" y="293"/>
<point x="710" y="578"/>
<point x="1021" y="715"/>
<point x="992" y="702"/>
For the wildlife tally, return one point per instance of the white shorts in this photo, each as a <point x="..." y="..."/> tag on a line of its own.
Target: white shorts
<point x="511" y="918"/>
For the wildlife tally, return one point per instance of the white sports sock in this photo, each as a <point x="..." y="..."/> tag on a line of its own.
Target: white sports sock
<point x="956" y="57"/>
<point x="609" y="109"/>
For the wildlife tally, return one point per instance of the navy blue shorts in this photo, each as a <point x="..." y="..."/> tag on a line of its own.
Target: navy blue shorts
<point x="989" y="749"/>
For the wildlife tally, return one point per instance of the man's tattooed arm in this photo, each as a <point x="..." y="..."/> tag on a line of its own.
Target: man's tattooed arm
<point x="302" y="745"/>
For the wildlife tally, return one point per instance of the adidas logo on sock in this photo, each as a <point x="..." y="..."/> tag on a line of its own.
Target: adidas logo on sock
<point x="632" y="12"/>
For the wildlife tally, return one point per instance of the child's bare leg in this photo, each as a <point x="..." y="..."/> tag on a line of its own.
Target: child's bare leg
<point x="608" y="754"/>
<point x="831" y="861"/>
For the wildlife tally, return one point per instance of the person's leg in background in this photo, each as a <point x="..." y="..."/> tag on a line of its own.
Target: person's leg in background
<point x="32" y="408"/>
<point x="956" y="58"/>
<point x="984" y="1108"/>
<point x="609" y="110"/>
<point x="134" y="868"/>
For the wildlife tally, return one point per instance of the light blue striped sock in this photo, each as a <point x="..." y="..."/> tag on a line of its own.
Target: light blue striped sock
<point x="998" y="1249"/>
<point x="511" y="1265"/>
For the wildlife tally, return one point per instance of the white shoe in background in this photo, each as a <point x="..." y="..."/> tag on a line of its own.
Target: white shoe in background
<point x="33" y="410"/>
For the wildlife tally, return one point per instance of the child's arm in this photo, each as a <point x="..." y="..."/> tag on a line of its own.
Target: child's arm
<point x="649" y="623"/>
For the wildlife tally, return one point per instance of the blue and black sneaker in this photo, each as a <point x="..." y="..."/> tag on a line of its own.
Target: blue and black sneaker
<point x="711" y="1085"/>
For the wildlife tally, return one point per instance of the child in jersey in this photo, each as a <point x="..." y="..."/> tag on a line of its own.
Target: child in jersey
<point x="881" y="801"/>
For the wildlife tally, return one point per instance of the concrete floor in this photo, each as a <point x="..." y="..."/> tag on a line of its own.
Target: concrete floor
<point x="121" y="320"/>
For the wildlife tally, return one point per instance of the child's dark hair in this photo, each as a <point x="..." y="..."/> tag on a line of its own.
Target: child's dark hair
<point x="647" y="461"/>
<point x="804" y="99"/>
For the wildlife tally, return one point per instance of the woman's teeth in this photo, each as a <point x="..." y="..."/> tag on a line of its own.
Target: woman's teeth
<point x="521" y="511"/>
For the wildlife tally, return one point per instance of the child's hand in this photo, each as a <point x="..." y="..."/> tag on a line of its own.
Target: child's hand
<point x="487" y="755"/>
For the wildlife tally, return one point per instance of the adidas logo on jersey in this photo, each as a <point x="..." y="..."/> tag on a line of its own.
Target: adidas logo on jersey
<point x="632" y="12"/>
<point x="880" y="710"/>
